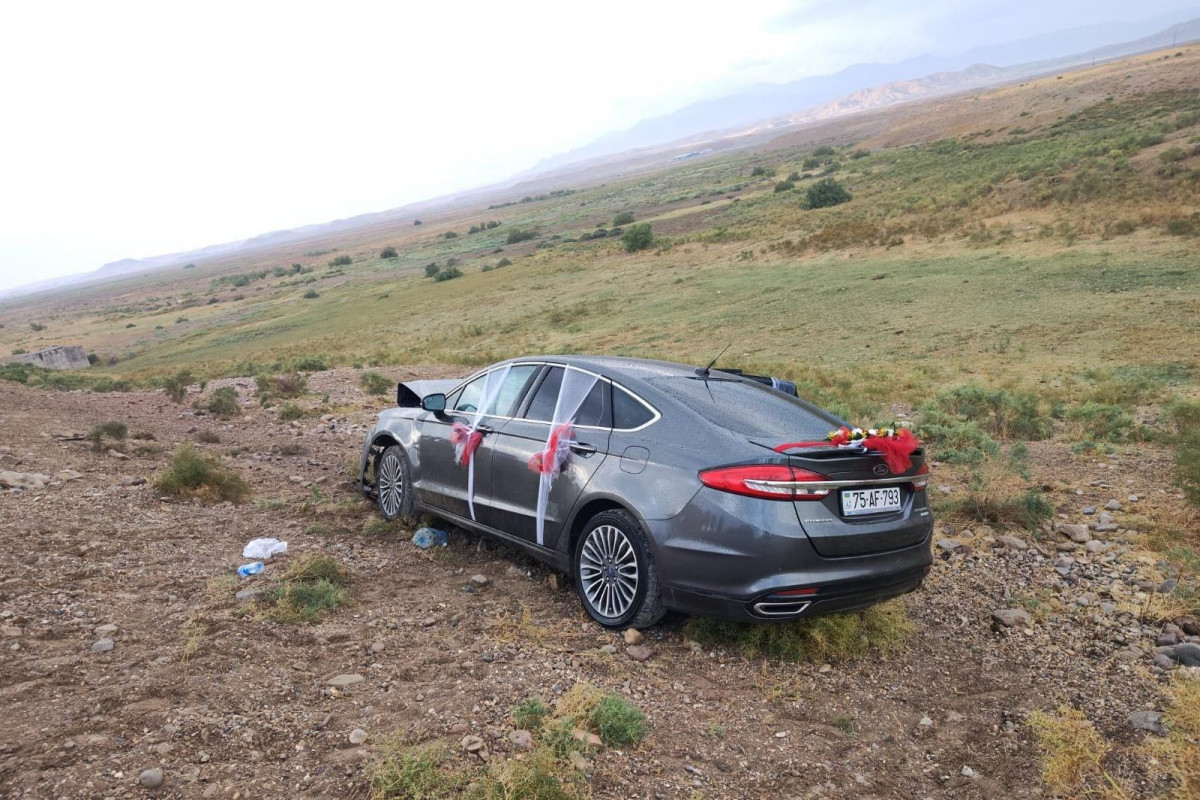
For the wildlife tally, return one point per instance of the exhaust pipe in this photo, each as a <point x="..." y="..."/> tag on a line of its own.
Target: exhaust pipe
<point x="777" y="608"/>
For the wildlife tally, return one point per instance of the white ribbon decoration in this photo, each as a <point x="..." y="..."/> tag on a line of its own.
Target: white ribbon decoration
<point x="491" y="391"/>
<point x="572" y="393"/>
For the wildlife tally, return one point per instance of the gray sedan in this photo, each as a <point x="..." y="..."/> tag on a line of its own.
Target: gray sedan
<point x="657" y="486"/>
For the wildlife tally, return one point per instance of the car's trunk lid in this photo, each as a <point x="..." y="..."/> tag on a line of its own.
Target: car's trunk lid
<point x="830" y="522"/>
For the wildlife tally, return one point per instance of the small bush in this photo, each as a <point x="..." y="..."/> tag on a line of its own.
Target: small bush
<point x="197" y="475"/>
<point x="388" y="252"/>
<point x="417" y="772"/>
<point x="311" y="586"/>
<point x="530" y="713"/>
<point x="114" y="430"/>
<point x="374" y="383"/>
<point x="504" y="262"/>
<point x="1000" y="412"/>
<point x="431" y="269"/>
<point x="824" y="151"/>
<point x="36" y="327"/>
<point x="825" y="193"/>
<point x="618" y="722"/>
<point x="176" y="386"/>
<point x="311" y="294"/>
<point x="285" y="385"/>
<point x="518" y="235"/>
<point x="448" y="274"/>
<point x="955" y="441"/>
<point x="1185" y="416"/>
<point x="341" y="261"/>
<point x="1099" y="422"/>
<point x="208" y="437"/>
<point x="637" y="237"/>
<point x="448" y="235"/>
<point x="623" y="218"/>
<point x="289" y="412"/>
<point x="224" y="403"/>
<point x="834" y="636"/>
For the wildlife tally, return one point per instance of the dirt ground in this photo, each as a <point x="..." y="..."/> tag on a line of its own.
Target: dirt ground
<point x="229" y="704"/>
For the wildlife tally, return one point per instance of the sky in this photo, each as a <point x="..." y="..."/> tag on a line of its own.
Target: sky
<point x="142" y="128"/>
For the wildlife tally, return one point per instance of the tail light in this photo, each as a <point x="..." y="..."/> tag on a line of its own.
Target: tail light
<point x="921" y="479"/>
<point x="768" y="481"/>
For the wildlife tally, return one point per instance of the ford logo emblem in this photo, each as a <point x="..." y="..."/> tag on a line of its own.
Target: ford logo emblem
<point x="880" y="469"/>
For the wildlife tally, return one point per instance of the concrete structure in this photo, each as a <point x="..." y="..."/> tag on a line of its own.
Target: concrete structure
<point x="58" y="357"/>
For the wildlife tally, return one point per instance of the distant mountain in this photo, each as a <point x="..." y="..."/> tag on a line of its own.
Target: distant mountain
<point x="769" y="100"/>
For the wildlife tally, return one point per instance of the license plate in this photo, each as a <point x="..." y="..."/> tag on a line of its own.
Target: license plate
<point x="870" y="501"/>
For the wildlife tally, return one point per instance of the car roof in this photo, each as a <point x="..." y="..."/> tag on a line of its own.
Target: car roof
<point x="618" y="367"/>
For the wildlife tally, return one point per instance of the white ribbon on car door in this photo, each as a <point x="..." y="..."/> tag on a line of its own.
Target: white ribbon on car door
<point x="466" y="443"/>
<point x="574" y="390"/>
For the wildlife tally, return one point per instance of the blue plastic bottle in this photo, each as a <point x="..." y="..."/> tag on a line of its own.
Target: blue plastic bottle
<point x="253" y="568"/>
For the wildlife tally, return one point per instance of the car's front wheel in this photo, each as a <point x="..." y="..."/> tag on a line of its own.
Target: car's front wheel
<point x="393" y="487"/>
<point x="614" y="572"/>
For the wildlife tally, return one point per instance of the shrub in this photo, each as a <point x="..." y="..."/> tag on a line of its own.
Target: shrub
<point x="341" y="261"/>
<point x="1003" y="413"/>
<point x="448" y="274"/>
<point x="638" y="237"/>
<point x="448" y="235"/>
<point x="530" y="713"/>
<point x="311" y="586"/>
<point x="197" y="475"/>
<point x="310" y="364"/>
<point x="1100" y="422"/>
<point x="286" y="385"/>
<point x="117" y="431"/>
<point x="431" y="269"/>
<point x="824" y="151"/>
<point x="618" y="722"/>
<point x="955" y="441"/>
<point x="784" y="186"/>
<point x="374" y="383"/>
<point x="623" y="218"/>
<point x="834" y="636"/>
<point x="762" y="172"/>
<point x="311" y="294"/>
<point x="1172" y="155"/>
<point x="208" y="437"/>
<point x="388" y="252"/>
<point x="1185" y="416"/>
<point x="825" y="193"/>
<point x="176" y="386"/>
<point x="224" y="403"/>
<point x="1182" y="227"/>
<point x="417" y="772"/>
<point x="416" y="222"/>
<point x="504" y="262"/>
<point x="289" y="412"/>
<point x="518" y="235"/>
<point x="37" y="326"/>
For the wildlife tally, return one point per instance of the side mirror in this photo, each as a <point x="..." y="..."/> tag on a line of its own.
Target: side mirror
<point x="434" y="402"/>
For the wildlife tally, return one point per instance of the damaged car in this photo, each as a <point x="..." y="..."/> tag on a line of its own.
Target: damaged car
<point x="661" y="486"/>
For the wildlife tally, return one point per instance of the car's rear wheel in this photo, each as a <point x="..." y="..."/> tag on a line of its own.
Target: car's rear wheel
<point x="615" y="574"/>
<point x="393" y="487"/>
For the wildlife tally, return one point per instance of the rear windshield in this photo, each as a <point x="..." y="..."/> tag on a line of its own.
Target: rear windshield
<point x="750" y="408"/>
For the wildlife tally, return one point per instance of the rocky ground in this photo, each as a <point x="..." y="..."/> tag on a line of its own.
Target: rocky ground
<point x="126" y="657"/>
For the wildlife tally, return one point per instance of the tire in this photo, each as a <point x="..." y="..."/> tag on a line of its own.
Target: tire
<point x="393" y="484"/>
<point x="613" y="549"/>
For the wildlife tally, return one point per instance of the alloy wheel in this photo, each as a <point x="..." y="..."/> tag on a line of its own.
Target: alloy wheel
<point x="608" y="571"/>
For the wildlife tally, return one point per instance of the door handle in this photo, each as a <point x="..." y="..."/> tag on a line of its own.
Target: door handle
<point x="485" y="429"/>
<point x="583" y="449"/>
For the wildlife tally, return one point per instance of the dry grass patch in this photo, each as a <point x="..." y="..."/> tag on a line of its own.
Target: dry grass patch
<point x="881" y="628"/>
<point x="312" y="586"/>
<point x="193" y="474"/>
<point x="1180" y="750"/>
<point x="1073" y="752"/>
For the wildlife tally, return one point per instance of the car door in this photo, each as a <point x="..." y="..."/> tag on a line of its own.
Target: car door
<point x="442" y="482"/>
<point x="513" y="492"/>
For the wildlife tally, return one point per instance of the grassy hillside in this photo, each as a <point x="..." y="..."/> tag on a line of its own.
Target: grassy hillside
<point x="1038" y="248"/>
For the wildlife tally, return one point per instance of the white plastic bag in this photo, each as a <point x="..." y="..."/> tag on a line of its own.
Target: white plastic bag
<point x="264" y="548"/>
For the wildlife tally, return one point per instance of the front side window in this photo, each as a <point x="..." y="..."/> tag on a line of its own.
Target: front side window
<point x="468" y="399"/>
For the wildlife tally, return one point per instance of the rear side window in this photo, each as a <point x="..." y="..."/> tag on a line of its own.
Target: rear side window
<point x="595" y="410"/>
<point x="750" y="408"/>
<point x="628" y="411"/>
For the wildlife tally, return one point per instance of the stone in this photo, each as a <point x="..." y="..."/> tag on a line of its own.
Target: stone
<point x="586" y="737"/>
<point x="1190" y="625"/>
<point x="1164" y="661"/>
<point x="102" y="646"/>
<point x="579" y="762"/>
<point x="1089" y="510"/>
<point x="479" y="580"/>
<point x="358" y="736"/>
<point x="926" y="722"/>
<point x="344" y="680"/>
<point x="117" y="454"/>
<point x="105" y="630"/>
<point x="967" y="772"/>
<point x="151" y="778"/>
<point x="1013" y="542"/>
<point x="633" y="637"/>
<point x="249" y="594"/>
<point x="377" y="647"/>
<point x="67" y="475"/>
<point x="639" y="652"/>
<point x="1012" y="617"/>
<point x="23" y="480"/>
<point x="1150" y="721"/>
<point x="1113" y="505"/>
<point x="429" y="622"/>
<point x="611" y="649"/>
<point x="1095" y="546"/>
<point x="515" y="572"/>
<point x="1133" y="498"/>
<point x="521" y="739"/>
<point x="1075" y="532"/>
<point x="1187" y="654"/>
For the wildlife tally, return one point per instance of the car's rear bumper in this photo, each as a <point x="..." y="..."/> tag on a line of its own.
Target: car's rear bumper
<point x="829" y="600"/>
<point x="725" y="555"/>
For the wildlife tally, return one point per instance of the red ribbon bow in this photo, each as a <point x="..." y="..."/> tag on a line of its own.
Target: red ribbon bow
<point x="549" y="461"/>
<point x="465" y="441"/>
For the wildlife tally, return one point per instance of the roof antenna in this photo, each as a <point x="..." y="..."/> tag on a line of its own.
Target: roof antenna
<point x="704" y="372"/>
